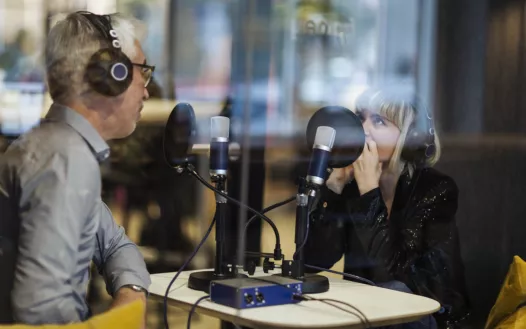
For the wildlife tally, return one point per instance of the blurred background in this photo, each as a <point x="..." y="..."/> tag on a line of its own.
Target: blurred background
<point x="269" y="65"/>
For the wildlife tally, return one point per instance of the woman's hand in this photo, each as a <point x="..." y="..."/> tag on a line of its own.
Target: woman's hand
<point x="367" y="168"/>
<point x="338" y="178"/>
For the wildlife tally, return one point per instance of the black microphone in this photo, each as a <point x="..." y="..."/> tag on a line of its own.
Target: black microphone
<point x="321" y="151"/>
<point x="350" y="136"/>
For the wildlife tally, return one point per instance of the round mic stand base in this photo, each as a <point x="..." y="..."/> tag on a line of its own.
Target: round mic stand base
<point x="315" y="284"/>
<point x="312" y="283"/>
<point x="201" y="280"/>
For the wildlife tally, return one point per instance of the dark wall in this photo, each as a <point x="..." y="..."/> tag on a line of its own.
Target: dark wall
<point x="505" y="109"/>
<point x="462" y="40"/>
<point x="482" y="116"/>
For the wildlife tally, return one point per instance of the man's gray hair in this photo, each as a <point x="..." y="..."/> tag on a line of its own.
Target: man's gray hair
<point x="70" y="44"/>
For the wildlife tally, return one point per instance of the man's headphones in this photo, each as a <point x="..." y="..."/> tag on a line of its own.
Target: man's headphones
<point x="109" y="71"/>
<point x="419" y="144"/>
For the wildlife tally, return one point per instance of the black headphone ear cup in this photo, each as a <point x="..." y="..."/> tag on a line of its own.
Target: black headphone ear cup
<point x="109" y="72"/>
<point x="419" y="145"/>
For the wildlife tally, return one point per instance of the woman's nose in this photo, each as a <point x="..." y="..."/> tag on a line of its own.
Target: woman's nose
<point x="366" y="127"/>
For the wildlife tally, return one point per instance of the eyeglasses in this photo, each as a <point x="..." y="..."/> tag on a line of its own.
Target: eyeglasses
<point x="146" y="72"/>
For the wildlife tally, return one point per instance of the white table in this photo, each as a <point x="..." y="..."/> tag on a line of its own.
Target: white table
<point x="380" y="306"/>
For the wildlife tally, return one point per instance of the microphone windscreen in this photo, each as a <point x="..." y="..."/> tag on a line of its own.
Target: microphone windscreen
<point x="325" y="136"/>
<point x="350" y="136"/>
<point x="179" y="134"/>
<point x="219" y="127"/>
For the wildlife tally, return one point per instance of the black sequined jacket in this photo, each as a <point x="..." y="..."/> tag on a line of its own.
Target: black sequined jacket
<point x="417" y="245"/>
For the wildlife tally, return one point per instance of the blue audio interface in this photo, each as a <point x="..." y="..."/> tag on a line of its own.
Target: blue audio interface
<point x="244" y="293"/>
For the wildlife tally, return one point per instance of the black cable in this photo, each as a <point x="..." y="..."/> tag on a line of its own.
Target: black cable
<point x="277" y="252"/>
<point x="328" y="300"/>
<point x="305" y="238"/>
<point x="192" y="310"/>
<point x="269" y="208"/>
<point x="359" y="314"/>
<point x="347" y="275"/>
<point x="181" y="269"/>
<point x="265" y="218"/>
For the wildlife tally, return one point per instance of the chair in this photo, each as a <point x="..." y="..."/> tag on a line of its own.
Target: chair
<point x="129" y="316"/>
<point x="509" y="311"/>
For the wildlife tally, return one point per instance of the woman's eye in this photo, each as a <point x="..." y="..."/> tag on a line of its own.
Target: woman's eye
<point x="378" y="121"/>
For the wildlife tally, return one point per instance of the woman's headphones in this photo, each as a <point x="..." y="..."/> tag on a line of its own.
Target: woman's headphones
<point x="109" y="71"/>
<point x="419" y="144"/>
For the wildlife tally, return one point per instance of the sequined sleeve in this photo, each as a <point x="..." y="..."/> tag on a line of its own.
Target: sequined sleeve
<point x="327" y="235"/>
<point x="399" y="241"/>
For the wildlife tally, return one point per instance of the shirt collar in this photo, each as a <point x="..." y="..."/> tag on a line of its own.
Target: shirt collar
<point x="62" y="113"/>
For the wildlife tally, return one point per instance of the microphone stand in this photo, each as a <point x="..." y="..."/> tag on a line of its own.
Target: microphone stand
<point x="201" y="280"/>
<point x="221" y="209"/>
<point x="295" y="269"/>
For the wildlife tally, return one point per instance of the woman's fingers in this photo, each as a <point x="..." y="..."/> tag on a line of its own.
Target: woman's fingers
<point x="366" y="146"/>
<point x="373" y="148"/>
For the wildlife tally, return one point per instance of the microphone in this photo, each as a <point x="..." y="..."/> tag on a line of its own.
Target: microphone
<point x="178" y="144"/>
<point x="336" y="137"/>
<point x="180" y="134"/>
<point x="350" y="136"/>
<point x="323" y="143"/>
<point x="219" y="133"/>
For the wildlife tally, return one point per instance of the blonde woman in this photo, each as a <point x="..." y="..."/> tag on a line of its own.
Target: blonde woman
<point x="390" y="214"/>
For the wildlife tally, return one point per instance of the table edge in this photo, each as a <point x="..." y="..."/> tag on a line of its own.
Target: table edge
<point x="264" y="325"/>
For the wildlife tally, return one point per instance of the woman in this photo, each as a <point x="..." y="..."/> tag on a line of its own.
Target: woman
<point x="391" y="214"/>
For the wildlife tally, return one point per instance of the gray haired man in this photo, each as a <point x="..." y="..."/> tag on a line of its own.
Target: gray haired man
<point x="53" y="222"/>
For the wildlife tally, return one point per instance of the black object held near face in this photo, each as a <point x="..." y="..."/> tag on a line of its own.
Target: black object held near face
<point x="350" y="136"/>
<point x="109" y="71"/>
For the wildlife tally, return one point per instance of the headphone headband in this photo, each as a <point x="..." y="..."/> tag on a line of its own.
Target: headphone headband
<point x="420" y="145"/>
<point x="102" y="24"/>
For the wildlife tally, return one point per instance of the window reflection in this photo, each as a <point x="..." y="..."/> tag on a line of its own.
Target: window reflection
<point x="465" y="59"/>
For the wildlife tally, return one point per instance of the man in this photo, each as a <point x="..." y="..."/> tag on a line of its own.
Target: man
<point x="53" y="222"/>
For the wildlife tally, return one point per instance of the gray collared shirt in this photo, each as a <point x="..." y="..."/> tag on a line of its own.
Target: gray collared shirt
<point x="53" y="223"/>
